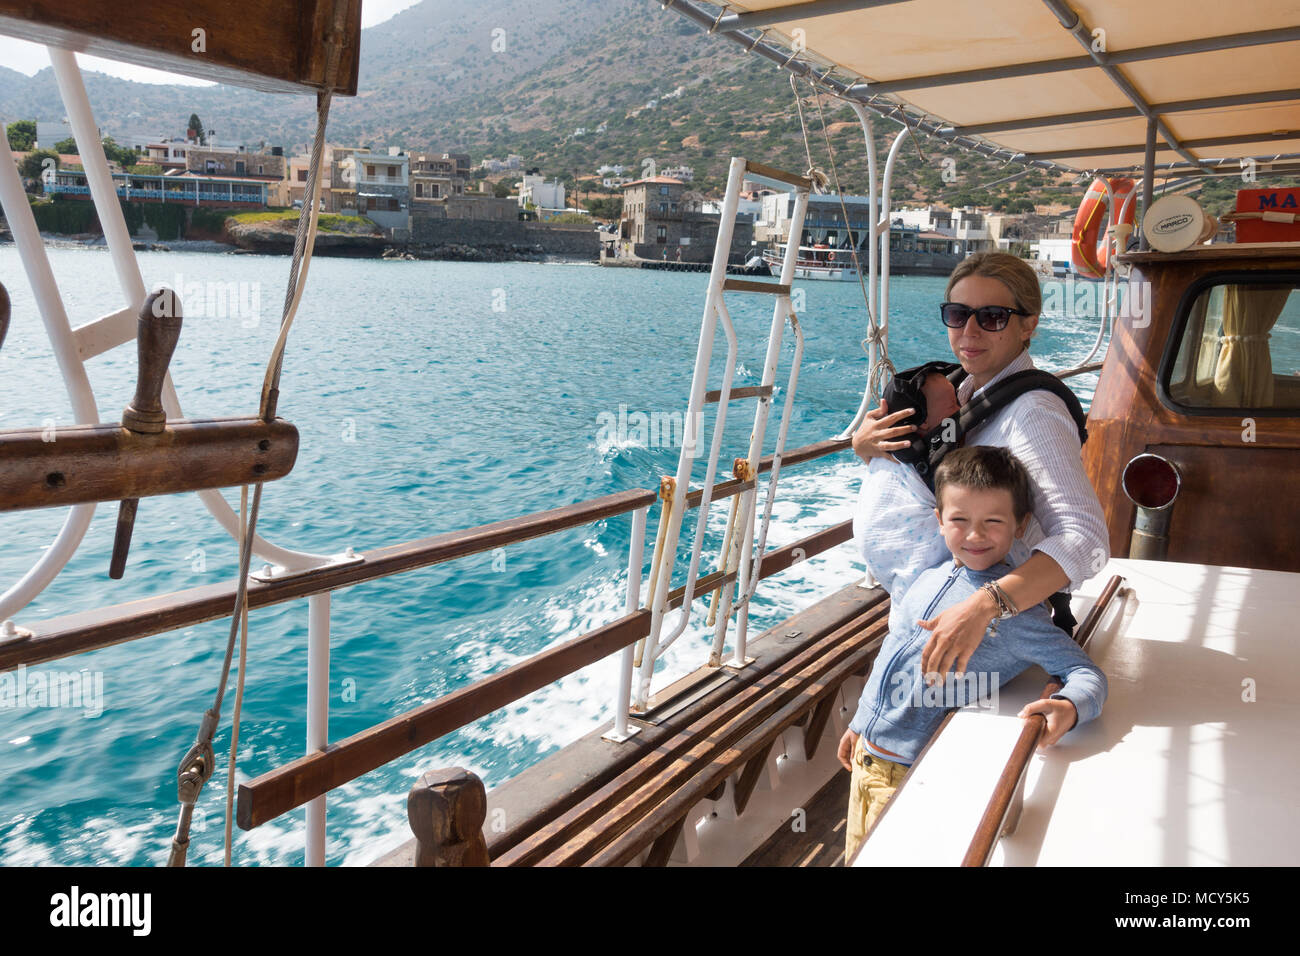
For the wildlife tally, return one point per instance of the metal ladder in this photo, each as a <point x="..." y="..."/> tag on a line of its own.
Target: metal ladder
<point x="739" y="560"/>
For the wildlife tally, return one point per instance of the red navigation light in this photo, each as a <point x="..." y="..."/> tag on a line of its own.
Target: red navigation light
<point x="1151" y="481"/>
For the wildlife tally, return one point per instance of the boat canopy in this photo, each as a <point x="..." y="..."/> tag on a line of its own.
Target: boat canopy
<point x="1050" y="83"/>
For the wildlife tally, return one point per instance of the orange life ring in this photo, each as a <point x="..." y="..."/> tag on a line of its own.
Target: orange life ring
<point x="830" y="257"/>
<point x="1089" y="245"/>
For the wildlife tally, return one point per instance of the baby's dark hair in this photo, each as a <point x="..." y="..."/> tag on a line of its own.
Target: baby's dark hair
<point x="984" y="467"/>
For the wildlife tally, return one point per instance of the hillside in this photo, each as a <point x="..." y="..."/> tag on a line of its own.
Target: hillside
<point x="498" y="77"/>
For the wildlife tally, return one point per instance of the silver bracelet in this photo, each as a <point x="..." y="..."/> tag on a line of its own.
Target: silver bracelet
<point x="1006" y="599"/>
<point x="1006" y="607"/>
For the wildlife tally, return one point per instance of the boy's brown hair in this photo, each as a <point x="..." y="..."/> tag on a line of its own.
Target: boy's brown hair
<point x="984" y="467"/>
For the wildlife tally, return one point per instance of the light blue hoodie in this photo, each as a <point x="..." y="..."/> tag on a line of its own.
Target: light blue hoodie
<point x="898" y="713"/>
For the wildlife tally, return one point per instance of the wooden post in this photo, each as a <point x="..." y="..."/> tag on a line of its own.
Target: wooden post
<point x="446" y="809"/>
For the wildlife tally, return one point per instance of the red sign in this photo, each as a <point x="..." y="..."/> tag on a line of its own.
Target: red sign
<point x="1281" y="215"/>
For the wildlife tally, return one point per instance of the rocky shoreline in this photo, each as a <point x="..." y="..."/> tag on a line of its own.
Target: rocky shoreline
<point x="277" y="238"/>
<point x="328" y="245"/>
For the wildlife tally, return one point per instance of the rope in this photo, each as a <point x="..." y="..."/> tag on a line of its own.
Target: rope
<point x="196" y="768"/>
<point x="813" y="173"/>
<point x="302" y="250"/>
<point x="199" y="763"/>
<point x="239" y="689"/>
<point x="875" y="333"/>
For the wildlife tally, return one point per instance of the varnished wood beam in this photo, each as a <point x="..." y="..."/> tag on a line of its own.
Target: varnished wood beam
<point x="81" y="463"/>
<point x="279" y="46"/>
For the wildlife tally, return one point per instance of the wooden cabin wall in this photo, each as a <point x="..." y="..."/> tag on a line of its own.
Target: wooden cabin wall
<point x="1239" y="504"/>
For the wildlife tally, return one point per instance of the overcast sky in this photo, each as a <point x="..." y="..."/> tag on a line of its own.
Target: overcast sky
<point x="29" y="57"/>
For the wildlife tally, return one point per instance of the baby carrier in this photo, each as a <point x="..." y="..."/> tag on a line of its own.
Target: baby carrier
<point x="924" y="453"/>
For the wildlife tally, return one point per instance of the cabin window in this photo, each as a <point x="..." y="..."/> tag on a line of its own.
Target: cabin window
<point x="1236" y="345"/>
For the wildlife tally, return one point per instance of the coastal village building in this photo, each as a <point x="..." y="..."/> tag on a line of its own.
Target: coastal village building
<point x="962" y="223"/>
<point x="376" y="185"/>
<point x="169" y="154"/>
<point x="660" y="221"/>
<point x="546" y="198"/>
<point x="384" y="189"/>
<point x="435" y="176"/>
<point x="194" y="190"/>
<point x="220" y="161"/>
<point x="912" y="249"/>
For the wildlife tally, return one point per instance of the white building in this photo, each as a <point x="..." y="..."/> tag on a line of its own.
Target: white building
<point x="752" y="207"/>
<point x="616" y="182"/>
<point x="546" y="197"/>
<point x="962" y="223"/>
<point x="1055" y="251"/>
<point x="167" y="153"/>
<point x="618" y="169"/>
<point x="684" y="173"/>
<point x="384" y="189"/>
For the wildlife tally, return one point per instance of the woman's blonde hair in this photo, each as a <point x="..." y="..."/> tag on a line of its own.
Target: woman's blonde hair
<point x="1012" y="271"/>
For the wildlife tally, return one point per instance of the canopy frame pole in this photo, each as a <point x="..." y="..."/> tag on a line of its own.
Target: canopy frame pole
<point x="1148" y="177"/>
<point x="1072" y="22"/>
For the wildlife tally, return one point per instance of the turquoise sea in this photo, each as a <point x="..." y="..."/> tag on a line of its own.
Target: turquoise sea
<point x="429" y="397"/>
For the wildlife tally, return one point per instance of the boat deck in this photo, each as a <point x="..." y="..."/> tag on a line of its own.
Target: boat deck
<point x="822" y="841"/>
<point x="1191" y="762"/>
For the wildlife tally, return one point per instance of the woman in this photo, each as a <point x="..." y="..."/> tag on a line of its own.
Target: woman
<point x="991" y="310"/>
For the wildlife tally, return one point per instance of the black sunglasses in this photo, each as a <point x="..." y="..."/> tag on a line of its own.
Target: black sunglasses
<point x="991" y="318"/>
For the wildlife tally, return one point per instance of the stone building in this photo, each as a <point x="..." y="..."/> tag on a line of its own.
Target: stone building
<point x="435" y="176"/>
<point x="238" y="163"/>
<point x="660" y="221"/>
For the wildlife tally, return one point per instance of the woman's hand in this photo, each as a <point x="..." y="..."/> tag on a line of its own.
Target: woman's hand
<point x="955" y="634"/>
<point x="879" y="431"/>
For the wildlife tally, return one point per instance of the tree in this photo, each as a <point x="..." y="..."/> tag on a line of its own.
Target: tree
<point x="22" y="135"/>
<point x="66" y="147"/>
<point x="196" y="126"/>
<point x="123" y="155"/>
<point x="501" y="189"/>
<point x="35" y="164"/>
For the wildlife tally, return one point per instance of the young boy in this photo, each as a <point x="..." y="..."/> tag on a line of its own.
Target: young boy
<point x="983" y="502"/>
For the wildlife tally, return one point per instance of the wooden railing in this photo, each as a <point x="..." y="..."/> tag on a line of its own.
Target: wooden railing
<point x="1004" y="806"/>
<point x="298" y="782"/>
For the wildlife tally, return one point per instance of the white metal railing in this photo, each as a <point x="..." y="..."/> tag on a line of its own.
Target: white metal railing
<point x="72" y="348"/>
<point x="738" y="555"/>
